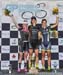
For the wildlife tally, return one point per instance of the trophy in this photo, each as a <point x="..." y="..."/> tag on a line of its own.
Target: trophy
<point x="33" y="70"/>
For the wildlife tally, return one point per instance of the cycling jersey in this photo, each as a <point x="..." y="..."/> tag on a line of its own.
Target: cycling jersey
<point x="45" y="34"/>
<point x="33" y="37"/>
<point x="33" y="32"/>
<point x="45" y="38"/>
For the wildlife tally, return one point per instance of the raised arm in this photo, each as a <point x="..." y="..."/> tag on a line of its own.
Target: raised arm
<point x="14" y="21"/>
<point x="56" y="24"/>
<point x="8" y="13"/>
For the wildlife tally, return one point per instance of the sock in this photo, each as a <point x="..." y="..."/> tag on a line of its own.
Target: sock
<point x="25" y="65"/>
<point x="19" y="65"/>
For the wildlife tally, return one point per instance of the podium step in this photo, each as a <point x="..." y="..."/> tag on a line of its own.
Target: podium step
<point x="40" y="73"/>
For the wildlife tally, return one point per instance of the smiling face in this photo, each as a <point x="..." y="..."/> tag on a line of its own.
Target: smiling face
<point x="33" y="22"/>
<point x="44" y="23"/>
<point x="24" y="26"/>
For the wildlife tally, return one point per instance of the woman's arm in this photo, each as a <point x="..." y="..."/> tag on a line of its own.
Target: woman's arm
<point x="39" y="35"/>
<point x="56" y="24"/>
<point x="14" y="21"/>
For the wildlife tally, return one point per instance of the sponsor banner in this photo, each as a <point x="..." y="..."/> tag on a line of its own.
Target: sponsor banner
<point x="13" y="56"/>
<point x="5" y="49"/>
<point x="13" y="27"/>
<point x="60" y="41"/>
<point x="54" y="49"/>
<point x="5" y="34"/>
<point x="13" y="41"/>
<point x="60" y="56"/>
<point x="5" y="65"/>
<point x="61" y="18"/>
<point x="60" y="27"/>
<point x="26" y="11"/>
<point x="60" y="5"/>
<point x="55" y="63"/>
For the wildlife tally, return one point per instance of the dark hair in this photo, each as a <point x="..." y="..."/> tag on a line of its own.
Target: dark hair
<point x="43" y="20"/>
<point x="33" y="17"/>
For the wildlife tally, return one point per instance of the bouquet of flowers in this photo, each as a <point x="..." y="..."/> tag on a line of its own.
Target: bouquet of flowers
<point x="55" y="34"/>
<point x="6" y="12"/>
<point x="55" y="10"/>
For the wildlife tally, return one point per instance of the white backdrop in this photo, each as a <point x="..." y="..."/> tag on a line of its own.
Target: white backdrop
<point x="9" y="51"/>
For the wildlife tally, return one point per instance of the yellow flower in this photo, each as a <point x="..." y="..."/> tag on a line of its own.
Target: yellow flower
<point x="6" y="12"/>
<point x="55" y="10"/>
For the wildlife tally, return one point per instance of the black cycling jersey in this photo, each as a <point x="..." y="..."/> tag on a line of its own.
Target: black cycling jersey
<point x="33" y="32"/>
<point x="24" y="35"/>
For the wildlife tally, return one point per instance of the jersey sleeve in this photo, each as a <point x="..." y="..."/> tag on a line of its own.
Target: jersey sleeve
<point x="38" y="26"/>
<point x="49" y="27"/>
<point x="29" y="28"/>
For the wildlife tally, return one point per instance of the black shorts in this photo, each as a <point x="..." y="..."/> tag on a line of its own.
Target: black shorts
<point x="33" y="44"/>
<point x="24" y="46"/>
